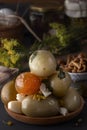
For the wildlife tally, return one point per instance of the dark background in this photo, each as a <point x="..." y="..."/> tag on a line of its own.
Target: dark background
<point x="4" y="117"/>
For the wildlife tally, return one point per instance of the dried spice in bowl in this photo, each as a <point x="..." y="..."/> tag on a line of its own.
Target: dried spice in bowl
<point x="76" y="66"/>
<point x="76" y="63"/>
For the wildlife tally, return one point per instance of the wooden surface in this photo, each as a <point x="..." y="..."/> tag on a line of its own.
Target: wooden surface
<point x="31" y="1"/>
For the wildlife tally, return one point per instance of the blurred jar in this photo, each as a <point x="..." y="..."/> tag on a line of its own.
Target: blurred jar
<point x="76" y="11"/>
<point x="41" y="15"/>
<point x="10" y="27"/>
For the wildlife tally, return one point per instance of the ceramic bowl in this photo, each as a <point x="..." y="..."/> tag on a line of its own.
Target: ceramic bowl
<point x="76" y="77"/>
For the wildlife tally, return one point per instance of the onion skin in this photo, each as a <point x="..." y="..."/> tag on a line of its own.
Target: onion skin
<point x="42" y="63"/>
<point x="8" y="92"/>
<point x="72" y="99"/>
<point x="60" y="86"/>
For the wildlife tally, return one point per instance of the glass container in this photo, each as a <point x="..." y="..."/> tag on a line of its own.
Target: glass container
<point x="41" y="15"/>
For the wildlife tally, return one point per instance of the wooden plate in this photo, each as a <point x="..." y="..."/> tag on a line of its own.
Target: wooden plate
<point x="45" y="120"/>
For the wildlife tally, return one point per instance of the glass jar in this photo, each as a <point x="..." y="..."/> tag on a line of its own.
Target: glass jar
<point x="41" y="15"/>
<point x="76" y="11"/>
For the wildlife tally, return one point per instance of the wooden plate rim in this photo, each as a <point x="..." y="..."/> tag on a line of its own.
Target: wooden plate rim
<point x="45" y="120"/>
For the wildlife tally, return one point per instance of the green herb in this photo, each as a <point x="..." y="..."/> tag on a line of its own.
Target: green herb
<point x="61" y="33"/>
<point x="12" y="53"/>
<point x="48" y="43"/>
<point x="66" y="39"/>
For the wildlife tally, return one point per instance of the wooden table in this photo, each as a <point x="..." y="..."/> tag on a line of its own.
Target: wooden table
<point x="35" y="1"/>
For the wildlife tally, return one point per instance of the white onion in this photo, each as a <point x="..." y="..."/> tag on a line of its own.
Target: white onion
<point x="42" y="63"/>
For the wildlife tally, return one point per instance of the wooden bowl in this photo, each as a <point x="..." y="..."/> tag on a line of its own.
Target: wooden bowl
<point x="16" y="31"/>
<point x="45" y="120"/>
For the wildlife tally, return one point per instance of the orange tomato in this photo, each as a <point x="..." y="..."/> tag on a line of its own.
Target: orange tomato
<point x="27" y="83"/>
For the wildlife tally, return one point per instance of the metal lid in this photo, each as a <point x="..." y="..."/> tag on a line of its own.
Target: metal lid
<point x="45" y="7"/>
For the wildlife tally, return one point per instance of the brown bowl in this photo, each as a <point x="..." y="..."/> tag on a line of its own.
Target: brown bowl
<point x="14" y="31"/>
<point x="45" y="120"/>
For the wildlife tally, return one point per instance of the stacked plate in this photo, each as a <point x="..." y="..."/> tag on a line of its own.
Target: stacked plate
<point x="7" y="74"/>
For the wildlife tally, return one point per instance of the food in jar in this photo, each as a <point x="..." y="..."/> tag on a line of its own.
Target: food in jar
<point x="42" y="14"/>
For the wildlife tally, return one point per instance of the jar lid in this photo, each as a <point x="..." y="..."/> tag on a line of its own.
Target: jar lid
<point x="45" y="7"/>
<point x="76" y="8"/>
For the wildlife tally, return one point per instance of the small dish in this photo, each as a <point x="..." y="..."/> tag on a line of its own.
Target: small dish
<point x="76" y="77"/>
<point x="45" y="120"/>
